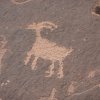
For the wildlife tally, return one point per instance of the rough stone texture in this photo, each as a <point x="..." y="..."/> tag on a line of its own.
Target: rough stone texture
<point x="78" y="27"/>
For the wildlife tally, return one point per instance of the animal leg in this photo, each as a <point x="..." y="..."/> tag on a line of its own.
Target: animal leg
<point x="60" y="73"/>
<point x="34" y="67"/>
<point x="50" y="72"/>
<point x="26" y="61"/>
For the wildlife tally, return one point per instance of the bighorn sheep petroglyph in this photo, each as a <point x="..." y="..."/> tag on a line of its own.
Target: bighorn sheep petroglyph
<point x="47" y="50"/>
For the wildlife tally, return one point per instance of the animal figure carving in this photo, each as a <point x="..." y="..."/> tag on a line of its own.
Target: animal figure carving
<point x="47" y="50"/>
<point x="51" y="97"/>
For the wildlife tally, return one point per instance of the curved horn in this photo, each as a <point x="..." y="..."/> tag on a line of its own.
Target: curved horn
<point x="48" y="25"/>
<point x="41" y="25"/>
<point x="19" y="3"/>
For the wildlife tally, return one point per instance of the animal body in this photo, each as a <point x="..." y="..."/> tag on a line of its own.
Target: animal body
<point x="47" y="50"/>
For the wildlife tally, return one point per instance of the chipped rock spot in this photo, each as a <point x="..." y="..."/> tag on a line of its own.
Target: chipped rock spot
<point x="96" y="9"/>
<point x="2" y="49"/>
<point x="91" y="74"/>
<point x="5" y="83"/>
<point x="71" y="88"/>
<point x="19" y="1"/>
<point x="51" y="97"/>
<point x="47" y="50"/>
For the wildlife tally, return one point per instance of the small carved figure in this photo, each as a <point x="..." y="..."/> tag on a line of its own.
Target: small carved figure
<point x="47" y="50"/>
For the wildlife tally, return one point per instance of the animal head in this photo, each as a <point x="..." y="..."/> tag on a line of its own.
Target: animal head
<point x="41" y="25"/>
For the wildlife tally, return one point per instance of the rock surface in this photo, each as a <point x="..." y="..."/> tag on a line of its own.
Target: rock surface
<point x="49" y="49"/>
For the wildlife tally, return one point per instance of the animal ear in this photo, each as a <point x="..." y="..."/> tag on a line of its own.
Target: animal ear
<point x="30" y="26"/>
<point x="51" y="24"/>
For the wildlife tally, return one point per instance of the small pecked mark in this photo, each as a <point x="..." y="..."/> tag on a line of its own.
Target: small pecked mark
<point x="97" y="10"/>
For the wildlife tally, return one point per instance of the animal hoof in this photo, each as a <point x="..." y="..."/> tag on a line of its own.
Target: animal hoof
<point x="34" y="67"/>
<point x="60" y="75"/>
<point x="48" y="74"/>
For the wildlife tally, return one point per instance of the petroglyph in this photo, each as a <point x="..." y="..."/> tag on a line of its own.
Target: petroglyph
<point x="91" y="74"/>
<point x="47" y="50"/>
<point x="2" y="49"/>
<point x="71" y="88"/>
<point x="5" y="83"/>
<point x="51" y="97"/>
<point x="17" y="2"/>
